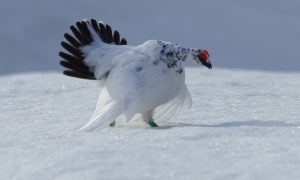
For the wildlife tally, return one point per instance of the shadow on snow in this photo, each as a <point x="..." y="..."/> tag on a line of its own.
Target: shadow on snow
<point x="251" y="123"/>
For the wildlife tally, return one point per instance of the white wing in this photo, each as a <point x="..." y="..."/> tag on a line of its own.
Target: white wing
<point x="170" y="109"/>
<point x="107" y="110"/>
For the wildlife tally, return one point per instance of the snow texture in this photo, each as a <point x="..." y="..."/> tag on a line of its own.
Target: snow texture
<point x="242" y="125"/>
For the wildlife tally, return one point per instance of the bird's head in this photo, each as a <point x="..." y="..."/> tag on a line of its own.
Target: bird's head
<point x="174" y="52"/>
<point x="202" y="56"/>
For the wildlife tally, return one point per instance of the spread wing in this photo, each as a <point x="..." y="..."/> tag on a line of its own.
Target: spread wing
<point x="84" y="33"/>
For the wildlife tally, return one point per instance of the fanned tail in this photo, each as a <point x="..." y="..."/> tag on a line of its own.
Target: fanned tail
<point x="85" y="33"/>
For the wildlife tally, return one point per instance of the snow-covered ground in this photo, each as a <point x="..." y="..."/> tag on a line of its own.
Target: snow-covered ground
<point x="243" y="125"/>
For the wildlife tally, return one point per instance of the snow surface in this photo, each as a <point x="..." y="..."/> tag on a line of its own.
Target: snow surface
<point x="243" y="125"/>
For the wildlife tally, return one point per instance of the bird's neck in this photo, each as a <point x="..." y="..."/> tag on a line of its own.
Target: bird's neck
<point x="174" y="54"/>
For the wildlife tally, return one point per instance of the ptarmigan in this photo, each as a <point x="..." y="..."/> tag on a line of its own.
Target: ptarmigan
<point x="147" y="79"/>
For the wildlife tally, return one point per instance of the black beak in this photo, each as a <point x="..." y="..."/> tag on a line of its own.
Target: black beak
<point x="206" y="63"/>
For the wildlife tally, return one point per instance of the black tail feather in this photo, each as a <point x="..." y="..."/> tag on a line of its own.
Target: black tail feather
<point x="79" y="75"/>
<point x="71" y="49"/>
<point x="117" y="37"/>
<point x="123" y="42"/>
<point x="75" y="67"/>
<point x="86" y="31"/>
<point x="85" y="34"/>
<point x="73" y="60"/>
<point x="95" y="25"/>
<point x="71" y="40"/>
<point x="109" y="34"/>
<point x="103" y="33"/>
<point x="78" y="35"/>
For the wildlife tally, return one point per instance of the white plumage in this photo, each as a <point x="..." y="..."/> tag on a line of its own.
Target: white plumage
<point x="147" y="79"/>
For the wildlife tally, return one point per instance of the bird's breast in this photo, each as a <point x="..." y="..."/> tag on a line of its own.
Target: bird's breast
<point x="145" y="79"/>
<point x="160" y="84"/>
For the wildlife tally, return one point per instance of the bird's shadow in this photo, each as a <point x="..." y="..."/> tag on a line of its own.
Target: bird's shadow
<point x="236" y="124"/>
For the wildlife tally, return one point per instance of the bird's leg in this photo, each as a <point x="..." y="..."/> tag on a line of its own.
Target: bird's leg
<point x="147" y="118"/>
<point x="152" y="124"/>
<point x="113" y="124"/>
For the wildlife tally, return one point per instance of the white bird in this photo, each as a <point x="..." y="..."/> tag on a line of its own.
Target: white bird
<point x="147" y="79"/>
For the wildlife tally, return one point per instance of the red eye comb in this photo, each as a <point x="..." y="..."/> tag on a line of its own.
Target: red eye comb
<point x="204" y="55"/>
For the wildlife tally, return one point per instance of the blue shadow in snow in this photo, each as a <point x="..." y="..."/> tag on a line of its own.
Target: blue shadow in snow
<point x="251" y="123"/>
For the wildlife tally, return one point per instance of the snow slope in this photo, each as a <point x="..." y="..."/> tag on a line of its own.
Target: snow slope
<point x="243" y="125"/>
